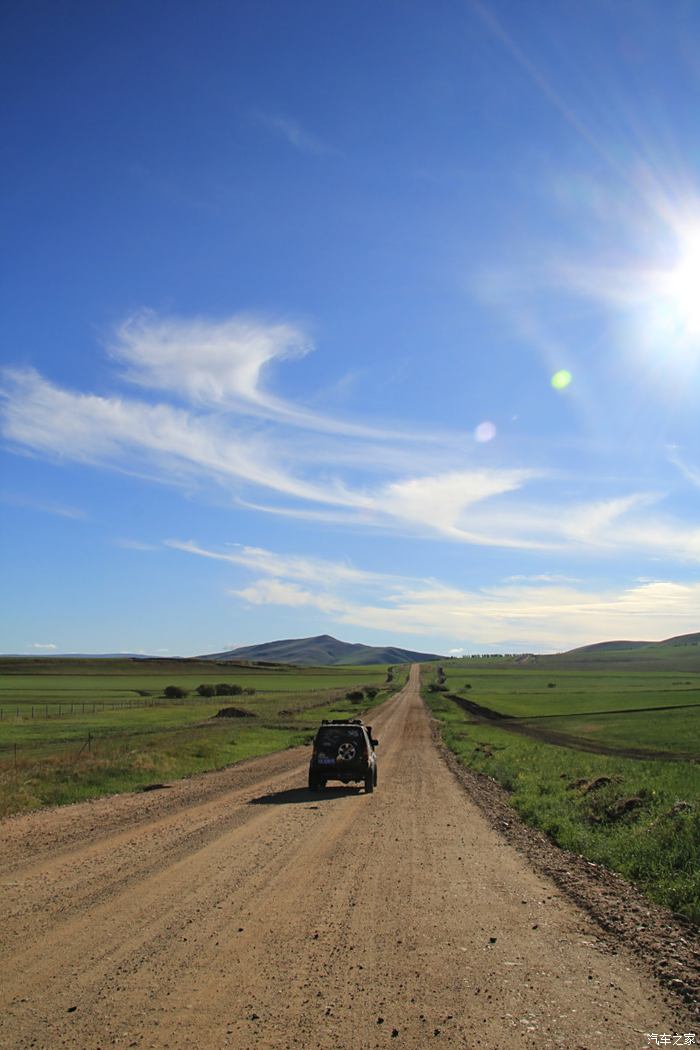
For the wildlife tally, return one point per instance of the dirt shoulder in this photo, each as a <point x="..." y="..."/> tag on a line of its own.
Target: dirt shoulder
<point x="668" y="944"/>
<point x="239" y="910"/>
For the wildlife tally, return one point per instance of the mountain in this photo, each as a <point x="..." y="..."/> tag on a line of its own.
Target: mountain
<point x="322" y="651"/>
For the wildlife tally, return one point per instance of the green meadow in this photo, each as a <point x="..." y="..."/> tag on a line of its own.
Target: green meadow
<point x="98" y="727"/>
<point x="639" y="816"/>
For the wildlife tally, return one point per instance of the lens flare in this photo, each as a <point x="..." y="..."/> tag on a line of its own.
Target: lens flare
<point x="560" y="380"/>
<point x="485" y="431"/>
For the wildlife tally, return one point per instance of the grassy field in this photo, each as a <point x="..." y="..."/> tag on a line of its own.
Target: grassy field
<point x="637" y="816"/>
<point x="94" y="729"/>
<point x="616" y="708"/>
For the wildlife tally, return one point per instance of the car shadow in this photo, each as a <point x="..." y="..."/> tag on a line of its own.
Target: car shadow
<point x="303" y="795"/>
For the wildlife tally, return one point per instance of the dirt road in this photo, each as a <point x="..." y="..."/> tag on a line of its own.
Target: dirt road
<point x="239" y="910"/>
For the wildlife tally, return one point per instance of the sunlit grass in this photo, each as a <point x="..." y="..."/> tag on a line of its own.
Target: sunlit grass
<point x="73" y="757"/>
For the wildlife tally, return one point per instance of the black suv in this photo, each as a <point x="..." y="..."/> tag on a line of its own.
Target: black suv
<point x="343" y="750"/>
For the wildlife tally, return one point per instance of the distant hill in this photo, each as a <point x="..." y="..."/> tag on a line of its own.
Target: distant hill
<point x="680" y="653"/>
<point x="322" y="651"/>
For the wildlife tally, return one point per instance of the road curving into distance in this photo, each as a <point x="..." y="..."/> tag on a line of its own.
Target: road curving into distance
<point x="237" y="909"/>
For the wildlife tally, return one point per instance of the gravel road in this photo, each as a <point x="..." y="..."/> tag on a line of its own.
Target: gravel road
<point x="237" y="909"/>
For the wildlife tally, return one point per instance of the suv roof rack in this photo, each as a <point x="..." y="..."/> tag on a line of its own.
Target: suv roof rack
<point x="341" y="722"/>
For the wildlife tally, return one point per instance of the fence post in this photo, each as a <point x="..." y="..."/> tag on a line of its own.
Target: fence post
<point x="89" y="743"/>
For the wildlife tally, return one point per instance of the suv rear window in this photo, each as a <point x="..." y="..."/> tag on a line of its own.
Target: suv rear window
<point x="330" y="737"/>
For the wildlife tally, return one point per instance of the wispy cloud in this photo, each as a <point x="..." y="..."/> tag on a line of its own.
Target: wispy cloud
<point x="18" y="499"/>
<point x="292" y="132"/>
<point x="220" y="365"/>
<point x="541" y="615"/>
<point x="542" y="577"/>
<point x="119" y="432"/>
<point x="293" y="567"/>
<point x="225" y="429"/>
<point x="44" y="645"/>
<point x="135" y="545"/>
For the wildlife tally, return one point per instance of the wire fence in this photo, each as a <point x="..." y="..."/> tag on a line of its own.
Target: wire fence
<point x="25" y="754"/>
<point x="105" y="742"/>
<point x="44" y="710"/>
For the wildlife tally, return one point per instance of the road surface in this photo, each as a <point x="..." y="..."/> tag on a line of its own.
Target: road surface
<point x="236" y="909"/>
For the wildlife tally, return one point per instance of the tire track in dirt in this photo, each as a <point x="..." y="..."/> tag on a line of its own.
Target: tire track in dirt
<point x="240" y="910"/>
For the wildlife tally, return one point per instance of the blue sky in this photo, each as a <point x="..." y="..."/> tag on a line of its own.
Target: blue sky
<point x="285" y="288"/>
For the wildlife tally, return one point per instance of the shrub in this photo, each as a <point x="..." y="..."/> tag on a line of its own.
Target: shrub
<point x="355" y="695"/>
<point x="225" y="689"/>
<point x="371" y="691"/>
<point x="206" y="690"/>
<point x="174" y="692"/>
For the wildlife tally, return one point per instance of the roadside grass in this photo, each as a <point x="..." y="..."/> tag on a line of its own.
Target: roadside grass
<point x="116" y="764"/>
<point x="72" y="758"/>
<point x="642" y="819"/>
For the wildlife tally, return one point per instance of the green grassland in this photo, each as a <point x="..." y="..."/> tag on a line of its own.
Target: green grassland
<point x="616" y="708"/>
<point x="638" y="816"/>
<point x="115" y="738"/>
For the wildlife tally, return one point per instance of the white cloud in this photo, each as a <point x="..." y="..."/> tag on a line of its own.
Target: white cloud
<point x="278" y="592"/>
<point x="119" y="432"/>
<point x="221" y="365"/>
<point x="526" y="616"/>
<point x="44" y="645"/>
<point x="180" y="445"/>
<point x="441" y="500"/>
<point x="536" y="618"/>
<point x="430" y="490"/>
<point x="208" y="363"/>
<point x="537" y="614"/>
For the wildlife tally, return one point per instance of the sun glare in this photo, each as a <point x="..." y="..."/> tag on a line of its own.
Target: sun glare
<point x="681" y="288"/>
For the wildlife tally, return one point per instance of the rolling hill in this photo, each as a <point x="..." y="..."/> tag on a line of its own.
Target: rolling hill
<point x="321" y="651"/>
<point x="680" y="653"/>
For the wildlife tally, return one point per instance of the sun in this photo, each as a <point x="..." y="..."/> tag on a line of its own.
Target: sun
<point x="681" y="288"/>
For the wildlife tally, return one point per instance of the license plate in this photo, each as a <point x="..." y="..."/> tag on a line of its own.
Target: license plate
<point x="324" y="760"/>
